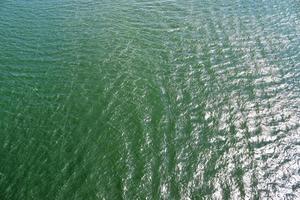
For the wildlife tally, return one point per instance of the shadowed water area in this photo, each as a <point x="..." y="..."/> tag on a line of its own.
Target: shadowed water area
<point x="194" y="99"/>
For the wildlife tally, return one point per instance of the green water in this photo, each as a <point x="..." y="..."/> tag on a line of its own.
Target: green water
<point x="137" y="99"/>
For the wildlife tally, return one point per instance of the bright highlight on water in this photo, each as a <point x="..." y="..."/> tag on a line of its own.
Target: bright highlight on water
<point x="131" y="99"/>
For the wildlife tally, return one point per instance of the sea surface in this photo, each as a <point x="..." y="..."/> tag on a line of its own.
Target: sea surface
<point x="140" y="99"/>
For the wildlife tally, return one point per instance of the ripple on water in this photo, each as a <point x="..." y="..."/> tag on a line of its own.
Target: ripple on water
<point x="149" y="99"/>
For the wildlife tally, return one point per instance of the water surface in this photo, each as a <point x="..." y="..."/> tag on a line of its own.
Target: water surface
<point x="149" y="99"/>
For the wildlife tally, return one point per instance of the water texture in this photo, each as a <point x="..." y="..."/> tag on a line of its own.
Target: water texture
<point x="139" y="99"/>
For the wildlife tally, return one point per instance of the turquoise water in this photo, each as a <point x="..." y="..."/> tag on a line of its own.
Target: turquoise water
<point x="149" y="99"/>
